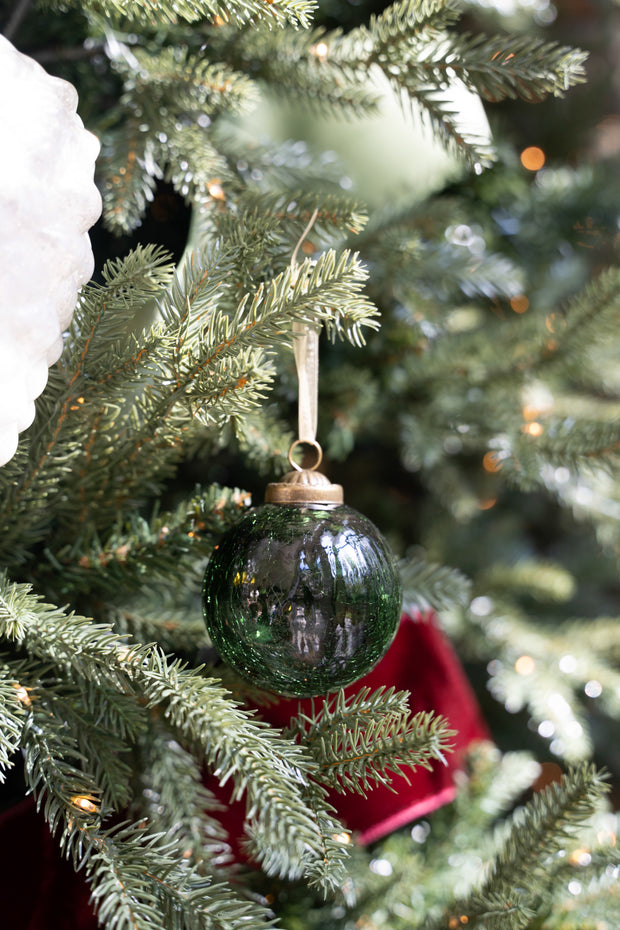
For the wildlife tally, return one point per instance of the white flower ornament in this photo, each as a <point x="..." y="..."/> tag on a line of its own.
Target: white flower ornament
<point x="48" y="202"/>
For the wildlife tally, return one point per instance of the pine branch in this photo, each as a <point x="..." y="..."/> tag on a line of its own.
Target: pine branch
<point x="275" y="784"/>
<point x="145" y="552"/>
<point x="139" y="884"/>
<point x="14" y="701"/>
<point x="175" y="80"/>
<point x="538" y="830"/>
<point x="145" y="13"/>
<point x="293" y="63"/>
<point x="195" y="168"/>
<point x="129" y="167"/>
<point x="402" y="17"/>
<point x="545" y="581"/>
<point x="508" y="897"/>
<point x="439" y="116"/>
<point x="474" y="274"/>
<point x="586" y="319"/>
<point x="104" y="748"/>
<point x="426" y="584"/>
<point x="170" y="98"/>
<point x="285" y="214"/>
<point x="176" y="803"/>
<point x="55" y="773"/>
<point x="517" y="66"/>
<point x="496" y="783"/>
<point x="164" y="369"/>
<point x="175" y="629"/>
<point x="215" y="367"/>
<point x="327" y="289"/>
<point x="493" y="911"/>
<point x="361" y="741"/>
<point x="575" y="444"/>
<point x="349" y="711"/>
<point x="136" y="877"/>
<point x="275" y="774"/>
<point x="410" y="43"/>
<point x="131" y="284"/>
<point x="199" y="364"/>
<point x="70" y="414"/>
<point x="552" y="695"/>
<point x="289" y="166"/>
<point x="100" y="719"/>
<point x="421" y="260"/>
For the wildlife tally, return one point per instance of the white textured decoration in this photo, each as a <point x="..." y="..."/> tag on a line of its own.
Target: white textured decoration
<point x="48" y="202"/>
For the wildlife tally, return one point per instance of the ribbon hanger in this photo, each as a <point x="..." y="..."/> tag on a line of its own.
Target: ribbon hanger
<point x="306" y="348"/>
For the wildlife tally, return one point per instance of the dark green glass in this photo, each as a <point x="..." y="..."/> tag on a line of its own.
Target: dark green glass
<point x="302" y="599"/>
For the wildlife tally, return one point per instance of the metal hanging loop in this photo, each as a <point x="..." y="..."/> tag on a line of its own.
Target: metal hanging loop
<point x="306" y="442"/>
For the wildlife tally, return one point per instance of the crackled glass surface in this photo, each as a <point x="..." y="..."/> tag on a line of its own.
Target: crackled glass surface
<point x="302" y="599"/>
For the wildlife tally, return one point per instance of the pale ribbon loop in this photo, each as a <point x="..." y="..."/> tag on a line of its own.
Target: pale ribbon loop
<point x="306" y="347"/>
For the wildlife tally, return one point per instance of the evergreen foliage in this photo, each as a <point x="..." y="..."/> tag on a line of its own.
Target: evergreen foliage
<point x="356" y="741"/>
<point x="489" y="388"/>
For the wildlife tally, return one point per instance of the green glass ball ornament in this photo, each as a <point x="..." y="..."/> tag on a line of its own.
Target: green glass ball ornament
<point x="302" y="595"/>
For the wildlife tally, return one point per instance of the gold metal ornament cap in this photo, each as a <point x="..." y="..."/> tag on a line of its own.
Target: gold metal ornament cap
<point x="304" y="485"/>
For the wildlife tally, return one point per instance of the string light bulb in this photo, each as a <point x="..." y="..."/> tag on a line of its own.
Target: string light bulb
<point x="85" y="803"/>
<point x="216" y="190"/>
<point x="22" y="694"/>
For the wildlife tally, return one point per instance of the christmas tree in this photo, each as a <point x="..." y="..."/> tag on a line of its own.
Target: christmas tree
<point x="468" y="404"/>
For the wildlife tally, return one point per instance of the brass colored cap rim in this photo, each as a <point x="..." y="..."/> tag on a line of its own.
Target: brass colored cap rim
<point x="305" y="486"/>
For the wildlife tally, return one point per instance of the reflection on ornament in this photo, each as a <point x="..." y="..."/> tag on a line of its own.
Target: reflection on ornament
<point x="302" y="597"/>
<point x="48" y="201"/>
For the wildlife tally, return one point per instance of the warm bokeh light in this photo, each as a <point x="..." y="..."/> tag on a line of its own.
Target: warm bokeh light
<point x="491" y="462"/>
<point x="580" y="857"/>
<point x="531" y="412"/>
<point x="549" y="772"/>
<point x="520" y="303"/>
<point x="525" y="665"/>
<point x="533" y="429"/>
<point x="320" y="50"/>
<point x="532" y="158"/>
<point x="216" y="190"/>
